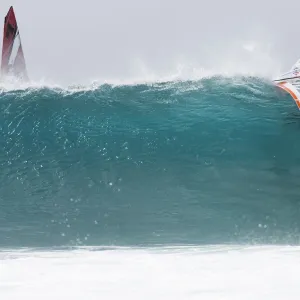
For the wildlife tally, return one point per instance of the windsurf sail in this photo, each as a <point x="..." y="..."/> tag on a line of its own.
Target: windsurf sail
<point x="13" y="60"/>
<point x="290" y="82"/>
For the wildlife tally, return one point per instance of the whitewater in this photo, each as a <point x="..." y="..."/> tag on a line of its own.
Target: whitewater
<point x="180" y="189"/>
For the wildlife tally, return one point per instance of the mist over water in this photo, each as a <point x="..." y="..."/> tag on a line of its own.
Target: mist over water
<point x="75" y="43"/>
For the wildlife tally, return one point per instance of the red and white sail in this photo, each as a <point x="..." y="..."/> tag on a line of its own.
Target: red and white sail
<point x="13" y="61"/>
<point x="290" y="82"/>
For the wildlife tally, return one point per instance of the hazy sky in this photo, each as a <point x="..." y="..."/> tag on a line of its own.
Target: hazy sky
<point x="69" y="41"/>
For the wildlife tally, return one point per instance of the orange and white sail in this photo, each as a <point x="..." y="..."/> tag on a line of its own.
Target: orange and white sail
<point x="290" y="82"/>
<point x="13" y="60"/>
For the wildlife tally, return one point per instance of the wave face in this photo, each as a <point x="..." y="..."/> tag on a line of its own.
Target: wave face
<point x="195" y="162"/>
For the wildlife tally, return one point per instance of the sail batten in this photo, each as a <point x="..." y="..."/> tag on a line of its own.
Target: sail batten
<point x="13" y="60"/>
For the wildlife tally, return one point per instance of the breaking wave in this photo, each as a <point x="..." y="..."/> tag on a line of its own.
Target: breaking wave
<point x="214" y="160"/>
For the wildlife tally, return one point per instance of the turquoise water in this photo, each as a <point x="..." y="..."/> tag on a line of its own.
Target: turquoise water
<point x="212" y="161"/>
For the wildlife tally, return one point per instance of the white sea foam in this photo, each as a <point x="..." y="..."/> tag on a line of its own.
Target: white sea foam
<point x="219" y="272"/>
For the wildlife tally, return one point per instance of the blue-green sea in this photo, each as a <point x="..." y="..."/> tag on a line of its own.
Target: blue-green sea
<point x="166" y="190"/>
<point x="173" y="163"/>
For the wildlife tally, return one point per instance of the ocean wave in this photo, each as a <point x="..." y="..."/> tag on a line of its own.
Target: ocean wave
<point x="206" y="161"/>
